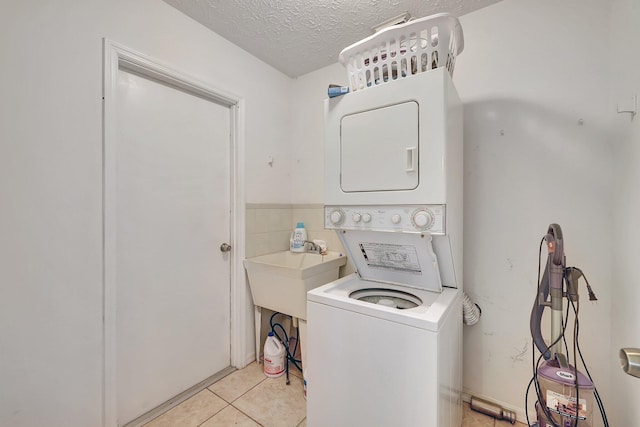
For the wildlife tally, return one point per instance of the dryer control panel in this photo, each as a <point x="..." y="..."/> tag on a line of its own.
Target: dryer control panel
<point x="408" y="218"/>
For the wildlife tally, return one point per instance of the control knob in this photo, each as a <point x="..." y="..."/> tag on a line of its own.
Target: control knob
<point x="395" y="218"/>
<point x="356" y="217"/>
<point x="422" y="219"/>
<point x="366" y="217"/>
<point x="336" y="217"/>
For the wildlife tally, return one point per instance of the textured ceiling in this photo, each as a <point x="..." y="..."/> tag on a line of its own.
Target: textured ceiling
<point x="299" y="36"/>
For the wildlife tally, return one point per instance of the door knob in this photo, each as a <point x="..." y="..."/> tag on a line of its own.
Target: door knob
<point x="225" y="247"/>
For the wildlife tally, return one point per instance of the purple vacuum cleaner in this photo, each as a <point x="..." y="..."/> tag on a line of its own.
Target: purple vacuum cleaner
<point x="566" y="397"/>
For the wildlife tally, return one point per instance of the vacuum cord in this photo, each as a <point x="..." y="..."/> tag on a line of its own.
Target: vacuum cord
<point x="603" y="413"/>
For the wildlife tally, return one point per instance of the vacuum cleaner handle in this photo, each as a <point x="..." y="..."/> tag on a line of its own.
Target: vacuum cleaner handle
<point x="552" y="278"/>
<point x="555" y="244"/>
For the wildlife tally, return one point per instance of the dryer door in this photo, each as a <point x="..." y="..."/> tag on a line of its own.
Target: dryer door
<point x="379" y="149"/>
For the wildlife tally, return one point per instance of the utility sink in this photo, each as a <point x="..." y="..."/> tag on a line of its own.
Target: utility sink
<point x="280" y="281"/>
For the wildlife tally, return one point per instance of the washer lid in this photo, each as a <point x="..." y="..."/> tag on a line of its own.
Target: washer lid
<point x="393" y="257"/>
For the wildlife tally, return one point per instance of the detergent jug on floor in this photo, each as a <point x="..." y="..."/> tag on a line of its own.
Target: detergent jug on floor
<point x="273" y="357"/>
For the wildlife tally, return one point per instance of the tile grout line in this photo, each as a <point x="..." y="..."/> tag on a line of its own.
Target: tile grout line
<point x="235" y="407"/>
<point x="237" y="398"/>
<point x="249" y="416"/>
<point x="227" y="404"/>
<point x="256" y="385"/>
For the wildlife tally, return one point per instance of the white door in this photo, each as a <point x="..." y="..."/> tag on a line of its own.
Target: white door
<point x="172" y="213"/>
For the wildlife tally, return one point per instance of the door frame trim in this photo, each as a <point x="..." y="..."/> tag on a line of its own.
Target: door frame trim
<point x="115" y="57"/>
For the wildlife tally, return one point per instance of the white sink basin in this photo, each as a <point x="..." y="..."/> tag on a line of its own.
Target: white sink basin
<point x="280" y="281"/>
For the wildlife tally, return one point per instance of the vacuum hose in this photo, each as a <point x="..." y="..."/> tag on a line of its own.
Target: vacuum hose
<point x="536" y="317"/>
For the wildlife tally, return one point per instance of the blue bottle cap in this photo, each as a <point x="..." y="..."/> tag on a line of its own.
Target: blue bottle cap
<point x="300" y="225"/>
<point x="270" y="334"/>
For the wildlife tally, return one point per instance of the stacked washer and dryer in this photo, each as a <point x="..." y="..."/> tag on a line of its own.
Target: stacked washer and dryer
<point x="385" y="343"/>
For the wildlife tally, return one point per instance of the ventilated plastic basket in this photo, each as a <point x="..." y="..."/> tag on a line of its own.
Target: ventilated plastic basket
<point x="404" y="50"/>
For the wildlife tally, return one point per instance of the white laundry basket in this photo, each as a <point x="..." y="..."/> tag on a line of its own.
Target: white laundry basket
<point x="403" y="51"/>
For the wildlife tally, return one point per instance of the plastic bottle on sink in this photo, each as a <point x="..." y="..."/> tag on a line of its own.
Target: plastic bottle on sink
<point x="298" y="237"/>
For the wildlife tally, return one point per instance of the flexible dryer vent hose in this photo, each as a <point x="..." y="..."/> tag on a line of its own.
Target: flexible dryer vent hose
<point x="470" y="312"/>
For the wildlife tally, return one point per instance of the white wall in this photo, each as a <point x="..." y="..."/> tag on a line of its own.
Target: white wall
<point x="307" y="132"/>
<point x="529" y="72"/>
<point x="625" y="60"/>
<point x="51" y="184"/>
<point x="530" y="69"/>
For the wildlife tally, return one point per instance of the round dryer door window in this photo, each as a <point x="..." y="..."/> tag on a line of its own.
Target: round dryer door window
<point x="387" y="297"/>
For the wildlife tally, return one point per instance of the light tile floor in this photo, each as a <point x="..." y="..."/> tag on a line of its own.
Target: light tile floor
<point x="246" y="398"/>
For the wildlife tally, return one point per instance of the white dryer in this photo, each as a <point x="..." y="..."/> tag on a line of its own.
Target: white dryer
<point x="399" y="144"/>
<point x="385" y="343"/>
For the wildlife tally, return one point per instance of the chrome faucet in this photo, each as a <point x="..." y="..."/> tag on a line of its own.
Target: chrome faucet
<point x="311" y="247"/>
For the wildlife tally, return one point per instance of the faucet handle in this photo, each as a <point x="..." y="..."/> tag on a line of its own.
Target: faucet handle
<point x="311" y="247"/>
<point x="322" y="246"/>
